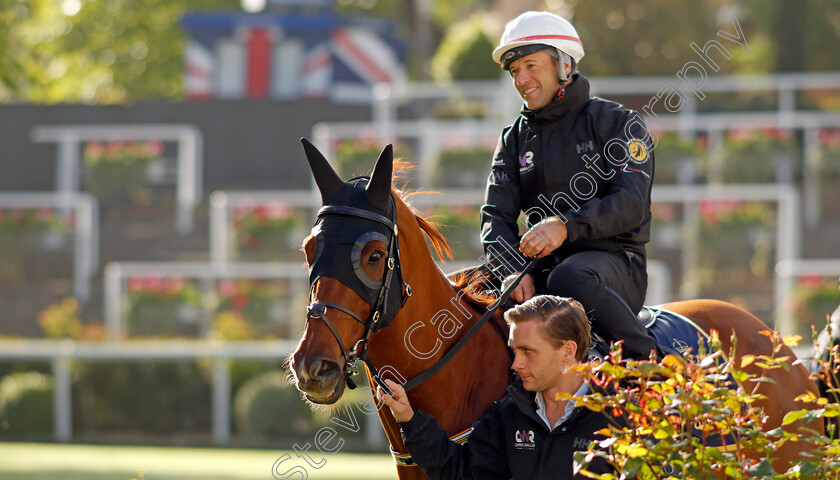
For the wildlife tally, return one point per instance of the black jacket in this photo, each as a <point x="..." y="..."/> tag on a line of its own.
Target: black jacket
<point x="586" y="160"/>
<point x="509" y="441"/>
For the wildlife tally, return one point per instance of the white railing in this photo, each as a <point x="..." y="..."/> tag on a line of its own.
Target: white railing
<point x="188" y="137"/>
<point x="85" y="229"/>
<point x="116" y="274"/>
<point x="62" y="353"/>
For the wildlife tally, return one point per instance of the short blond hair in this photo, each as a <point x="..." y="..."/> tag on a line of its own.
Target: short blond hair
<point x="561" y="319"/>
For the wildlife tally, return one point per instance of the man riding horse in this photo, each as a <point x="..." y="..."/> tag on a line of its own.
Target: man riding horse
<point x="581" y="169"/>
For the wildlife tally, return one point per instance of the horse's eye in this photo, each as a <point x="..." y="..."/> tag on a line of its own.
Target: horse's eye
<point x="375" y="258"/>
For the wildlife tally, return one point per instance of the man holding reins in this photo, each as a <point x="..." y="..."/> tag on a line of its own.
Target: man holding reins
<point x="581" y="170"/>
<point x="530" y="433"/>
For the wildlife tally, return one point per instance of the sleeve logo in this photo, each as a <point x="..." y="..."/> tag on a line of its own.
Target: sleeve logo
<point x="637" y="151"/>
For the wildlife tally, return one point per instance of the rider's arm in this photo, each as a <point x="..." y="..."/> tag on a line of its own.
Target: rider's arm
<point x="502" y="204"/>
<point x="627" y="205"/>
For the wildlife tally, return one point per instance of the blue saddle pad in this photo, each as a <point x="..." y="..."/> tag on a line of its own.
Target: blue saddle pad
<point x="678" y="334"/>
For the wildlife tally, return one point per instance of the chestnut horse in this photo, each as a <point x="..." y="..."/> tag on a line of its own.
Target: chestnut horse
<point x="377" y="295"/>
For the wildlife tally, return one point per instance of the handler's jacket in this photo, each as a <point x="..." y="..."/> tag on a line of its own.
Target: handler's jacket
<point x="588" y="161"/>
<point x="509" y="441"/>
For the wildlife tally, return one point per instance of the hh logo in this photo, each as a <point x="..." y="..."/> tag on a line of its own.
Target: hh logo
<point x="585" y="147"/>
<point x="524" y="440"/>
<point x="580" y="443"/>
<point x="526" y="162"/>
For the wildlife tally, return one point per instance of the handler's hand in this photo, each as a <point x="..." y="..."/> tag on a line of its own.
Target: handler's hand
<point x="524" y="291"/>
<point x="398" y="403"/>
<point x="543" y="238"/>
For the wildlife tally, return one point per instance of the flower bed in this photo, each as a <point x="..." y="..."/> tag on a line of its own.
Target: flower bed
<point x="814" y="299"/>
<point x="267" y="230"/>
<point x="23" y="229"/>
<point x="163" y="307"/>
<point x="115" y="172"/>
<point x="754" y="156"/>
<point x="249" y="308"/>
<point x="735" y="241"/>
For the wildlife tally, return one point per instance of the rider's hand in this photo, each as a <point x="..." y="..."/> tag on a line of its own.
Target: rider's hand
<point x="543" y="238"/>
<point x="524" y="291"/>
<point x="398" y="402"/>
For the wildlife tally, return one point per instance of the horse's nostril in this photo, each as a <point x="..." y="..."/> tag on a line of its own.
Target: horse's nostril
<point x="325" y="369"/>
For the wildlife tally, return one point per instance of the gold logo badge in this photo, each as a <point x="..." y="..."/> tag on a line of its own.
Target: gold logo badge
<point x="637" y="151"/>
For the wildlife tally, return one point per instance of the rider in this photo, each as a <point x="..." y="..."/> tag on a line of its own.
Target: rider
<point x="581" y="170"/>
<point x="530" y="433"/>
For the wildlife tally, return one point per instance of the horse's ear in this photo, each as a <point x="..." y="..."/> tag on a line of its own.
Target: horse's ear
<point x="378" y="190"/>
<point x="329" y="183"/>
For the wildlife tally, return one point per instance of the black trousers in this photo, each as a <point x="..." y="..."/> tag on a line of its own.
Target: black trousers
<point x="611" y="287"/>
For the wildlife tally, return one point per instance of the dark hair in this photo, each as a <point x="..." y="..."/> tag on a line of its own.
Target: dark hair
<point x="561" y="319"/>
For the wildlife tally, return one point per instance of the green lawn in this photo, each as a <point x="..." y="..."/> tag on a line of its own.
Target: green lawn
<point x="35" y="461"/>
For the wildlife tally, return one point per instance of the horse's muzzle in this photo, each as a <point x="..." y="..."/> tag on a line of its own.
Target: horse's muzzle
<point x="318" y="378"/>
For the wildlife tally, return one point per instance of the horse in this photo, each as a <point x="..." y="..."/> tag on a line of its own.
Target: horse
<point x="377" y="295"/>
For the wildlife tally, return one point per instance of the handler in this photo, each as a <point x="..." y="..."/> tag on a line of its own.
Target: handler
<point x="529" y="434"/>
<point x="581" y="170"/>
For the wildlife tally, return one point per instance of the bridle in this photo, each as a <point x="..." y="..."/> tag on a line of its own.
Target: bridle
<point x="380" y="316"/>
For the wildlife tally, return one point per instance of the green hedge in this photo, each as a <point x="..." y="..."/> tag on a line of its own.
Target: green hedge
<point x="268" y="405"/>
<point x="26" y="403"/>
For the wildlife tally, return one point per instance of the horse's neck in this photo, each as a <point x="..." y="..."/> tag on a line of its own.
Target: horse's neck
<point x="429" y="325"/>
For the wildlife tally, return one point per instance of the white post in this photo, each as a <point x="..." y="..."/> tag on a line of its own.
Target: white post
<point x="67" y="176"/>
<point x="221" y="400"/>
<point x="62" y="400"/>
<point x="112" y="290"/>
<point x="219" y="227"/>
<point x="186" y="193"/>
<point x="811" y="162"/>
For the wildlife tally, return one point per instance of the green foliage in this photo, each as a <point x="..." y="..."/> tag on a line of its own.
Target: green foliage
<point x="814" y="298"/>
<point x="463" y="167"/>
<point x="268" y="405"/>
<point x="26" y="403"/>
<point x="94" y="51"/>
<point x="357" y="157"/>
<point x="734" y="241"/>
<point x="153" y="398"/>
<point x="674" y="153"/>
<point x="61" y="320"/>
<point x="464" y="53"/>
<point x="22" y="230"/>
<point x="267" y="228"/>
<point x="253" y="300"/>
<point x="663" y="414"/>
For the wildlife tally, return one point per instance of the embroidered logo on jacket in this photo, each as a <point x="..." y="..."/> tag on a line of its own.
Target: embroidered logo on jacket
<point x="526" y="162"/>
<point x="637" y="151"/>
<point x="524" y="440"/>
<point x="581" y="443"/>
<point x="585" y="147"/>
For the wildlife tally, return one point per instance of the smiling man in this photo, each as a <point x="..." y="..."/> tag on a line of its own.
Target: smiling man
<point x="528" y="434"/>
<point x="580" y="168"/>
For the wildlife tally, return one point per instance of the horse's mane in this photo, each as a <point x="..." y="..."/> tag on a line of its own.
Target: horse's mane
<point x="474" y="282"/>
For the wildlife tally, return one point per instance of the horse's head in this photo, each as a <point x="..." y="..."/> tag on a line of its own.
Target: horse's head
<point x="355" y="282"/>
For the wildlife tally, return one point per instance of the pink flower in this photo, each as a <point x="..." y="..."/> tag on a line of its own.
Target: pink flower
<point x="226" y="288"/>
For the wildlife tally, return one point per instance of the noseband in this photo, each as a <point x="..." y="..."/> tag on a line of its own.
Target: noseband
<point x="380" y="315"/>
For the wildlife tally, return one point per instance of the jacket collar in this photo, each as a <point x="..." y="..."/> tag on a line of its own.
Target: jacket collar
<point x="564" y="109"/>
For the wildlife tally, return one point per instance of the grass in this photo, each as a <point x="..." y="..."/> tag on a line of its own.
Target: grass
<point x="37" y="461"/>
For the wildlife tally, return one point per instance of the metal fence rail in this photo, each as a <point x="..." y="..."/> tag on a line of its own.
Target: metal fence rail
<point x="61" y="353"/>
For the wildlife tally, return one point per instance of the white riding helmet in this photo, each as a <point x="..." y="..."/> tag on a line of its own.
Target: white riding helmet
<point x="537" y="28"/>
